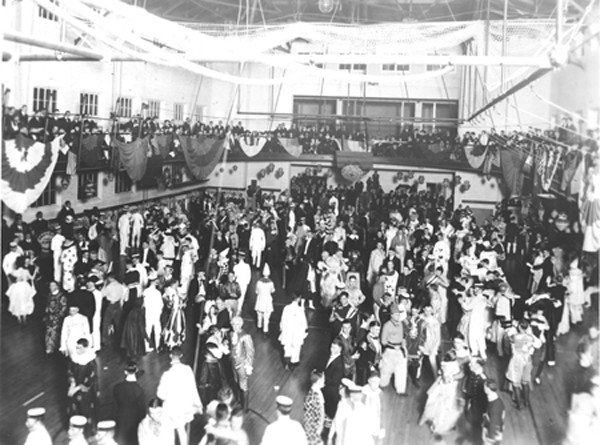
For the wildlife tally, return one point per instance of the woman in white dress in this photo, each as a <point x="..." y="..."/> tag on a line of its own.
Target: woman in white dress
<point x="444" y="403"/>
<point x="187" y="266"/>
<point x="264" y="300"/>
<point x="21" y="292"/>
<point x="575" y="293"/>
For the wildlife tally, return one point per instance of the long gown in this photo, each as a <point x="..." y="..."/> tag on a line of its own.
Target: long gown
<point x="56" y="311"/>
<point x="314" y="416"/>
<point x="21" y="293"/>
<point x="332" y="276"/>
<point x="443" y="407"/>
<point x="134" y="332"/>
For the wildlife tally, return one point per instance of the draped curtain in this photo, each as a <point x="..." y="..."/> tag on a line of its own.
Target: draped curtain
<point x="134" y="157"/>
<point x="251" y="146"/>
<point x="202" y="154"/>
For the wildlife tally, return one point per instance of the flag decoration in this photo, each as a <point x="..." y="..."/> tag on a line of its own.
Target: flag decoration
<point x="475" y="160"/>
<point x="134" y="157"/>
<point x="291" y="145"/>
<point x="202" y="154"/>
<point x="251" y="145"/>
<point x="27" y="167"/>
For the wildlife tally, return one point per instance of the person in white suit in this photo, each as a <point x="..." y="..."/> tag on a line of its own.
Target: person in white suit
<point x="153" y="307"/>
<point x="137" y="224"/>
<point x="257" y="244"/>
<point x="243" y="275"/>
<point x="124" y="230"/>
<point x="293" y="327"/>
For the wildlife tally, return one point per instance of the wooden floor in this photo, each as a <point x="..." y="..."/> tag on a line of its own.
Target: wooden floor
<point x="29" y="378"/>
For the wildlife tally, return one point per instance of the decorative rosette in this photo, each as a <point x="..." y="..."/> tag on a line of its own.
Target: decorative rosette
<point x="352" y="172"/>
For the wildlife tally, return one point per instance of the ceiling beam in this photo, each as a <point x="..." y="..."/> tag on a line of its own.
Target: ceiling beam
<point x="25" y="39"/>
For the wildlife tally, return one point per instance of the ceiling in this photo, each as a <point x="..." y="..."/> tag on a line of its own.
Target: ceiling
<point x="258" y="12"/>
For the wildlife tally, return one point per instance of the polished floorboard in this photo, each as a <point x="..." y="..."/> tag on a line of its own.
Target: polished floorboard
<point x="30" y="378"/>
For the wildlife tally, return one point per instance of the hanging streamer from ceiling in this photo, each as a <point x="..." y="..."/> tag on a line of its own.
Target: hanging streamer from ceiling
<point x="115" y="37"/>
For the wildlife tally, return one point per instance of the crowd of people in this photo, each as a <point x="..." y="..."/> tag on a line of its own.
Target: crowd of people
<point x="426" y="142"/>
<point x="396" y="272"/>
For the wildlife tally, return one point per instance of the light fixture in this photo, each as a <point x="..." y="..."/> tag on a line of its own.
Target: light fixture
<point x="326" y="6"/>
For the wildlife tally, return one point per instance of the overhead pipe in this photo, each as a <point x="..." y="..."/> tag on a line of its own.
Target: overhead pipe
<point x="26" y="39"/>
<point x="70" y="58"/>
<point x="454" y="60"/>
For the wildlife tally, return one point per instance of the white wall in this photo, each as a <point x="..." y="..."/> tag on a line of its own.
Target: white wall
<point x="482" y="194"/>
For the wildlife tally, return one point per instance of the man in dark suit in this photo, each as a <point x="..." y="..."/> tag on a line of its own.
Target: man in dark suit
<point x="309" y="250"/>
<point x="493" y="419"/>
<point x="147" y="256"/>
<point x="334" y="373"/>
<point x="130" y="406"/>
<point x="83" y="299"/>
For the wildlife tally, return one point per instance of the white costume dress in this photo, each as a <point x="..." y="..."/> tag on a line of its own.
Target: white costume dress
<point x="74" y="328"/>
<point x="21" y="293"/>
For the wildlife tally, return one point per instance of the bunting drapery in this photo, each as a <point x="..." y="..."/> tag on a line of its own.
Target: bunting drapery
<point x="250" y="145"/>
<point x="162" y="142"/>
<point x="291" y="145"/>
<point x="134" y="157"/>
<point x="202" y="154"/>
<point x="475" y="161"/>
<point x="27" y="167"/>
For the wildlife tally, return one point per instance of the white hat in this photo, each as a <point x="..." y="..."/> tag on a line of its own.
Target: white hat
<point x="237" y="321"/>
<point x="152" y="275"/>
<point x="36" y="412"/>
<point x="78" y="421"/>
<point x="284" y="402"/>
<point x="107" y="425"/>
<point x="266" y="270"/>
